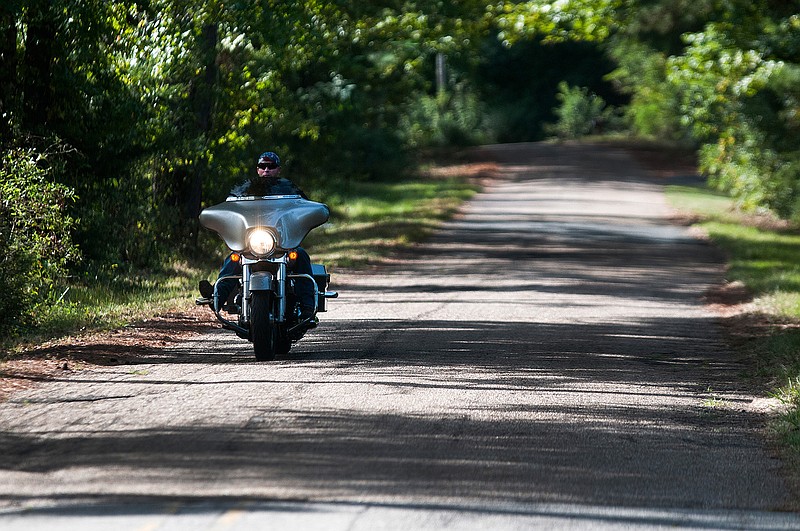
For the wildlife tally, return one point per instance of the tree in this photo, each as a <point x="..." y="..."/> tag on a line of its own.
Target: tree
<point x="738" y="88"/>
<point x="722" y="73"/>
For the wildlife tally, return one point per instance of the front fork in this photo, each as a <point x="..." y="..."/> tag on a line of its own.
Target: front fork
<point x="266" y="281"/>
<point x="254" y="281"/>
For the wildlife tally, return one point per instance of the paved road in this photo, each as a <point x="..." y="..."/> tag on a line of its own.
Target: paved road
<point x="544" y="362"/>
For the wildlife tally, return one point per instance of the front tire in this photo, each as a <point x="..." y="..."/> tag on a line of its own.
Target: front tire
<point x="263" y="329"/>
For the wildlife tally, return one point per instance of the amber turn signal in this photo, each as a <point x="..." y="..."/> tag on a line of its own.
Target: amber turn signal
<point x="235" y="257"/>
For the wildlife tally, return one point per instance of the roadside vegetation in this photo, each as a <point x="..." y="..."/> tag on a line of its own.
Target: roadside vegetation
<point x="764" y="258"/>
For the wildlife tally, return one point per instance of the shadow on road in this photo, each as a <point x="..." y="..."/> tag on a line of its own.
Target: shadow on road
<point x="596" y="379"/>
<point x="550" y="449"/>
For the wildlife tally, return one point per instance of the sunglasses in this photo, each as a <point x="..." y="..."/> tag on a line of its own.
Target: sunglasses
<point x="267" y="165"/>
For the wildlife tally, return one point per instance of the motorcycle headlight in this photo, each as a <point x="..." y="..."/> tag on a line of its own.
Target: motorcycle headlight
<point x="261" y="242"/>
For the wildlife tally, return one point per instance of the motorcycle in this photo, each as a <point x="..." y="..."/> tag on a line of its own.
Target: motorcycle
<point x="263" y="234"/>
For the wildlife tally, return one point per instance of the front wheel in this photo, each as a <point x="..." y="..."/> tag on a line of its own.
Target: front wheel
<point x="263" y="329"/>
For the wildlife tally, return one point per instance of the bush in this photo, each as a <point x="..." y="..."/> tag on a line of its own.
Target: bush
<point x="654" y="108"/>
<point x="453" y="118"/>
<point x="740" y="98"/>
<point x="34" y="235"/>
<point x="581" y="112"/>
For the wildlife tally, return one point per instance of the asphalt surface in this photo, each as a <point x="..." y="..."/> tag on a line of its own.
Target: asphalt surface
<point x="545" y="362"/>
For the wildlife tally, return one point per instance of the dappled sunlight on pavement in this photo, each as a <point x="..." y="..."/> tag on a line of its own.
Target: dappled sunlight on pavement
<point x="545" y="360"/>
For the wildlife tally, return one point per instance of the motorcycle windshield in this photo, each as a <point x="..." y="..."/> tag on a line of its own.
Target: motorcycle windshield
<point x="291" y="217"/>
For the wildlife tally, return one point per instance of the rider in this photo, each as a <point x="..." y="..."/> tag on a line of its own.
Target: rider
<point x="267" y="182"/>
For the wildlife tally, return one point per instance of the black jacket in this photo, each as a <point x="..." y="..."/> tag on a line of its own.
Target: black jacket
<point x="259" y="187"/>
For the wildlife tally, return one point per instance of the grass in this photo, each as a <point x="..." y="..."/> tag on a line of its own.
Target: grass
<point x="763" y="252"/>
<point x="764" y="255"/>
<point x="369" y="222"/>
<point x="111" y="300"/>
<point x="713" y="401"/>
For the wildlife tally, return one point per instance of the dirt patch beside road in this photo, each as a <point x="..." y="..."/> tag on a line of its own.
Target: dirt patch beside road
<point x="135" y="343"/>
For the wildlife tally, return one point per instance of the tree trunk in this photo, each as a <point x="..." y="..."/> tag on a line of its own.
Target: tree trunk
<point x="441" y="73"/>
<point x="8" y="75"/>
<point x="38" y="90"/>
<point x="203" y="106"/>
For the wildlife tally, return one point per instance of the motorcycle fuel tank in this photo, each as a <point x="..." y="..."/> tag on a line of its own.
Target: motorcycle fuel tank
<point x="291" y="217"/>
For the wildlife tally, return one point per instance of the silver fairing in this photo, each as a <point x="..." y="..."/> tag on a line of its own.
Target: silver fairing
<point x="290" y="216"/>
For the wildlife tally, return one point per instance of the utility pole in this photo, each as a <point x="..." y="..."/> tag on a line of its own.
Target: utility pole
<point x="441" y="73"/>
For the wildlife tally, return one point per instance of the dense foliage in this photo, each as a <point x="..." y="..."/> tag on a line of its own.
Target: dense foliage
<point x="740" y="95"/>
<point x="34" y="236"/>
<point x="161" y="105"/>
<point x="719" y="73"/>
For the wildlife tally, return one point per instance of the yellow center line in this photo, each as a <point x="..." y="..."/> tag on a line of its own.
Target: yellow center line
<point x="170" y="509"/>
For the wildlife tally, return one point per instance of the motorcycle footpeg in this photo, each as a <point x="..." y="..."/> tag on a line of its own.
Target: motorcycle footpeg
<point x="304" y="326"/>
<point x="202" y="301"/>
<point x="242" y="333"/>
